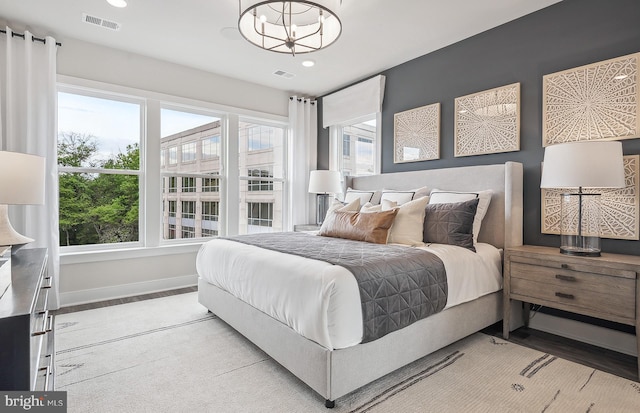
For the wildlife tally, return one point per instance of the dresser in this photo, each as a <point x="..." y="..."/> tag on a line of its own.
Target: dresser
<point x="26" y="326"/>
<point x="605" y="287"/>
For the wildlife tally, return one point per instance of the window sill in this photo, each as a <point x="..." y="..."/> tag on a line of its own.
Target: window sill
<point x="80" y="257"/>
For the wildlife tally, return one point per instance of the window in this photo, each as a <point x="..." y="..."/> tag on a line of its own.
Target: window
<point x="188" y="184"/>
<point x="210" y="147"/>
<point x="173" y="155"/>
<point x="346" y="146"/>
<point x="262" y="155"/>
<point x="210" y="211"/>
<point x="173" y="184"/>
<point x="260" y="214"/>
<point x="188" y="210"/>
<point x="172" y="208"/>
<point x="259" y="137"/>
<point x="99" y="168"/>
<point x="359" y="143"/>
<point x="259" y="185"/>
<point x="210" y="184"/>
<point x="193" y="131"/>
<point x="189" y="152"/>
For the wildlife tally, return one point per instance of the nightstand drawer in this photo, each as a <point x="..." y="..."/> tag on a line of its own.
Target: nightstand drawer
<point x="595" y="303"/>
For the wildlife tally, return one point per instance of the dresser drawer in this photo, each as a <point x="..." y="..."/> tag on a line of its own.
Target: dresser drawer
<point x="606" y="296"/>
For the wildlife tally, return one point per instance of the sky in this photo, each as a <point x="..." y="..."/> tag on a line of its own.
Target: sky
<point x="116" y="124"/>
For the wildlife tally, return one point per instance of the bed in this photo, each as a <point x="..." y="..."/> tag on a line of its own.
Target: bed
<point x="335" y="365"/>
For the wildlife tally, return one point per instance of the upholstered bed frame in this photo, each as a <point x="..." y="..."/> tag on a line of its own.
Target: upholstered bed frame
<point x="334" y="373"/>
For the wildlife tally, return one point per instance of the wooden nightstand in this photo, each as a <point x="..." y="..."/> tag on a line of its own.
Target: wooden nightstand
<point x="603" y="287"/>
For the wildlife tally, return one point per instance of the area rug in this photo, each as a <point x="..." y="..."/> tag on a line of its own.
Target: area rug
<point x="170" y="355"/>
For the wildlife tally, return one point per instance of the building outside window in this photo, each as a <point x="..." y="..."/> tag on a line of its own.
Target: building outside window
<point x="260" y="137"/>
<point x="188" y="210"/>
<point x="260" y="214"/>
<point x="210" y="210"/>
<point x="172" y="208"/>
<point x="346" y="146"/>
<point x="188" y="232"/>
<point x="210" y="184"/>
<point x="260" y="185"/>
<point x="210" y="147"/>
<point x="358" y="141"/>
<point x="188" y="152"/>
<point x="173" y="184"/>
<point x="188" y="184"/>
<point x="173" y="155"/>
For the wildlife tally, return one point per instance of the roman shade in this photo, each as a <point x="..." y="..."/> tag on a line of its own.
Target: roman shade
<point x="353" y="102"/>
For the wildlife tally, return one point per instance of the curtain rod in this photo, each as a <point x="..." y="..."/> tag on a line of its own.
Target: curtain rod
<point x="35" y="39"/>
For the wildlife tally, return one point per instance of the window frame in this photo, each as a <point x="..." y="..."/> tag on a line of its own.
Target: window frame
<point x="336" y="144"/>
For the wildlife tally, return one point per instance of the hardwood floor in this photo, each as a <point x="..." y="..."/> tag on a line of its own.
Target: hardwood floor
<point x="596" y="357"/>
<point x="599" y="358"/>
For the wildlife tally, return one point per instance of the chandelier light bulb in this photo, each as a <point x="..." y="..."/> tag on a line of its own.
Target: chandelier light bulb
<point x="263" y="18"/>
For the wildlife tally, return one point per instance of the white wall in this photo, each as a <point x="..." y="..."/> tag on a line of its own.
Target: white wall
<point x="87" y="277"/>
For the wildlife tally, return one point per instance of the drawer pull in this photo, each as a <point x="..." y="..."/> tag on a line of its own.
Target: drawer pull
<point x="47" y="324"/>
<point x="49" y="282"/>
<point x="47" y="373"/>
<point x="565" y="277"/>
<point x="563" y="295"/>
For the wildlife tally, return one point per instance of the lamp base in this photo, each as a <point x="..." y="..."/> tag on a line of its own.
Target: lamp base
<point x="8" y="235"/>
<point x="323" y="201"/>
<point x="582" y="252"/>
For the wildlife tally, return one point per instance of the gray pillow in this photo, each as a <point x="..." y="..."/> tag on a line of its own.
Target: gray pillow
<point x="450" y="223"/>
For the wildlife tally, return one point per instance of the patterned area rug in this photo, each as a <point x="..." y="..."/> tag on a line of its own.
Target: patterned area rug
<point x="170" y="355"/>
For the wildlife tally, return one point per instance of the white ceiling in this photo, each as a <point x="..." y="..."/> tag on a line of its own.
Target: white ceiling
<point x="377" y="34"/>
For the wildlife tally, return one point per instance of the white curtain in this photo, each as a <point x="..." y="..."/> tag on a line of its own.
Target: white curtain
<point x="28" y="108"/>
<point x="303" y="158"/>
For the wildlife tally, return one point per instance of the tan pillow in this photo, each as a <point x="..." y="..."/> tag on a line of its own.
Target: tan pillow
<point x="369" y="207"/>
<point x="408" y="225"/>
<point x="369" y="227"/>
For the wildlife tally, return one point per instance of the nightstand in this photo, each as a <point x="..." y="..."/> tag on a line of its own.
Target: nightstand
<point x="306" y="228"/>
<point x="604" y="287"/>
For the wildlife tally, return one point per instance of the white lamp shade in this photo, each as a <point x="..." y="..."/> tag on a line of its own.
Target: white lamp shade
<point x="325" y="182"/>
<point x="588" y="164"/>
<point x="21" y="179"/>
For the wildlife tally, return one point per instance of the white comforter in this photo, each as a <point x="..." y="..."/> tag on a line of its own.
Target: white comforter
<point x="321" y="301"/>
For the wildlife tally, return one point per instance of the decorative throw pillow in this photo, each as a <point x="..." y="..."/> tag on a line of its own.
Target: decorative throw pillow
<point x="369" y="227"/>
<point x="363" y="196"/>
<point x="369" y="207"/>
<point x="439" y="197"/>
<point x="407" y="228"/>
<point x="402" y="197"/>
<point x="450" y="223"/>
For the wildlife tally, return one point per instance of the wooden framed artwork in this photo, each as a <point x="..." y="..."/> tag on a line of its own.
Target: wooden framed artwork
<point x="596" y="101"/>
<point x="488" y="122"/>
<point x="619" y="208"/>
<point x="416" y="134"/>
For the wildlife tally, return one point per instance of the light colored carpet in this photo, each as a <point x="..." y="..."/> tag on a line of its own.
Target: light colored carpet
<point x="170" y="355"/>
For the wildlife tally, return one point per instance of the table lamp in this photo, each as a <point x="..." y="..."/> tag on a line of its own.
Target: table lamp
<point x="324" y="183"/>
<point x="21" y="183"/>
<point x="586" y="164"/>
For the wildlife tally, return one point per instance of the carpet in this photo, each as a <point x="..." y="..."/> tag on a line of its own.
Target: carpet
<point x="170" y="355"/>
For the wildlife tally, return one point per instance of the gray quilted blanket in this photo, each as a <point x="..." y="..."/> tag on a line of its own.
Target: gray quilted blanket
<point x="398" y="285"/>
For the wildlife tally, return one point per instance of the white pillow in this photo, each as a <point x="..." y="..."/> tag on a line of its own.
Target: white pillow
<point x="369" y="207"/>
<point x="408" y="226"/>
<point x="439" y="196"/>
<point x="336" y="205"/>
<point x="363" y="196"/>
<point x="402" y="197"/>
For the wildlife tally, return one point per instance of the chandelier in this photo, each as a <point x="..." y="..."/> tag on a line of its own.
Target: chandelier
<point x="294" y="27"/>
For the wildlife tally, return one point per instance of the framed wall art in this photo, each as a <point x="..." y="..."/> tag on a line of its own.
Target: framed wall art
<point x="488" y="122"/>
<point x="596" y="101"/>
<point x="619" y="209"/>
<point x="416" y="134"/>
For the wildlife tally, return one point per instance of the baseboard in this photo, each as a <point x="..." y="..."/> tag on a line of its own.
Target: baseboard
<point x="126" y="290"/>
<point x="587" y="333"/>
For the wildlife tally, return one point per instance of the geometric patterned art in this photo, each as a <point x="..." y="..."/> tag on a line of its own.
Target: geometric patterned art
<point x="488" y="121"/>
<point x="596" y="101"/>
<point x="416" y="134"/>
<point x="619" y="208"/>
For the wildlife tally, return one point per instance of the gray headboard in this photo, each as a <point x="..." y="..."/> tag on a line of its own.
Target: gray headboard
<point x="502" y="226"/>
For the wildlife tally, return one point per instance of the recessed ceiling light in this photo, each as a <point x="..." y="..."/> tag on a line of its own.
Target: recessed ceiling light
<point x="117" y="3"/>
<point x="308" y="63"/>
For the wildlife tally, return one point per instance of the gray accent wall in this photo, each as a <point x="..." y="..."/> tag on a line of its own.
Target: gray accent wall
<point x="568" y="34"/>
